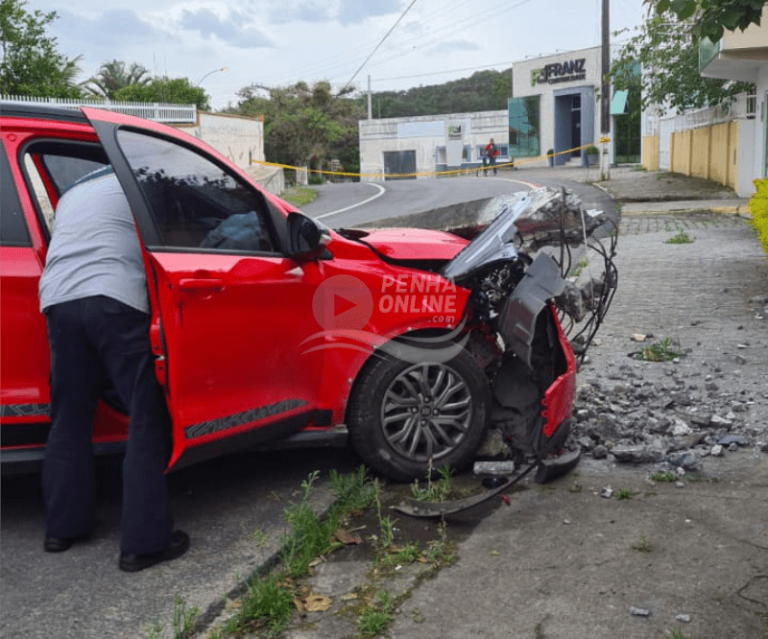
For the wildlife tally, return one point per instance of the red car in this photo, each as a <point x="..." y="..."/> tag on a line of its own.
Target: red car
<point x="266" y="325"/>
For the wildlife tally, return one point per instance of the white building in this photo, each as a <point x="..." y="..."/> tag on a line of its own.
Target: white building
<point x="555" y="106"/>
<point x="743" y="55"/>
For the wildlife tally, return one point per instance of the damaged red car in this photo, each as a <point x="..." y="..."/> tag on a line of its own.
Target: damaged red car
<point x="267" y="326"/>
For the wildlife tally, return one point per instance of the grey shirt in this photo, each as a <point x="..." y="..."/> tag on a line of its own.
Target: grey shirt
<point x="94" y="248"/>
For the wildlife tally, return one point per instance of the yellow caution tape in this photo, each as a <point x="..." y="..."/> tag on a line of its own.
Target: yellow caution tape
<point x="467" y="171"/>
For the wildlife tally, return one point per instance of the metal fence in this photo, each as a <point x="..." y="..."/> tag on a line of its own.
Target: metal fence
<point x="159" y="112"/>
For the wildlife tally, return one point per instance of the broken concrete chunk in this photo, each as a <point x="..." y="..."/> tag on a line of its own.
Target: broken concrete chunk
<point x="727" y="440"/>
<point x="606" y="492"/>
<point x="683" y="618"/>
<point x="720" y="422"/>
<point x="688" y="460"/>
<point x="717" y="451"/>
<point x="600" y="452"/>
<point x="637" y="454"/>
<point x="681" y="428"/>
<point x="638" y="337"/>
<point x="639" y="612"/>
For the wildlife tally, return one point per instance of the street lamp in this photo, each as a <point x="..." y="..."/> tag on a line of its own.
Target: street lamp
<point x="224" y="69"/>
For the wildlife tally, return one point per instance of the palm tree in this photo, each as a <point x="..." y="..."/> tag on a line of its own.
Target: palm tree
<point x="113" y="76"/>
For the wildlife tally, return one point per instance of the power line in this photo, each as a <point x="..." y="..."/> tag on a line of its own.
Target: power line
<point x="402" y="15"/>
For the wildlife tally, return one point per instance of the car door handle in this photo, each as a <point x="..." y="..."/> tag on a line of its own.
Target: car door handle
<point x="201" y="285"/>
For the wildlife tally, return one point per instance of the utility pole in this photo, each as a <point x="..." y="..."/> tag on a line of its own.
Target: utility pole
<point x="605" y="90"/>
<point x="370" y="106"/>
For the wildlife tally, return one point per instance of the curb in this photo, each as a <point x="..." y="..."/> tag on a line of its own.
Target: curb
<point x="652" y="208"/>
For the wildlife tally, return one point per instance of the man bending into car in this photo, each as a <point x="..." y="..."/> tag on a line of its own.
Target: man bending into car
<point x="93" y="292"/>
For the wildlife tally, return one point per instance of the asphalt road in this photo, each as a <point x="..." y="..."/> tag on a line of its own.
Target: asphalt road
<point x="227" y="506"/>
<point x="352" y="203"/>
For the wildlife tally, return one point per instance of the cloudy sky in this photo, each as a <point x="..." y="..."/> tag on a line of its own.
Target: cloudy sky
<point x="278" y="42"/>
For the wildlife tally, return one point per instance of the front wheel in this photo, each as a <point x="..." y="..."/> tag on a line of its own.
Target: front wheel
<point x="402" y="415"/>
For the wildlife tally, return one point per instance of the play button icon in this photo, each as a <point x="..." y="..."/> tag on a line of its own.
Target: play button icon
<point x="342" y="302"/>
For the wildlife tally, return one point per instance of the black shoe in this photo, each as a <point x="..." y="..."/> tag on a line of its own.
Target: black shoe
<point x="60" y="544"/>
<point x="179" y="545"/>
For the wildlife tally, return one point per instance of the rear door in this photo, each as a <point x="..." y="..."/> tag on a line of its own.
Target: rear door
<point x="230" y="310"/>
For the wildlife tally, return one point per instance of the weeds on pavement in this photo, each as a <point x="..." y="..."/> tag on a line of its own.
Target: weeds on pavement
<point x="663" y="351"/>
<point x="663" y="476"/>
<point x="438" y="490"/>
<point x="681" y="238"/>
<point x="299" y="195"/>
<point x="376" y="616"/>
<point x="181" y="624"/>
<point x="642" y="545"/>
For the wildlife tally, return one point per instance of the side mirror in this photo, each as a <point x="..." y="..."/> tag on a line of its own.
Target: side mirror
<point x="307" y="239"/>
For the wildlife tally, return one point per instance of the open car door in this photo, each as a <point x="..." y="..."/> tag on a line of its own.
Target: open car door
<point x="230" y="309"/>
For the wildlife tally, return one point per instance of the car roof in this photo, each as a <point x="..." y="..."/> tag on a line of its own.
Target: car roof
<point x="13" y="109"/>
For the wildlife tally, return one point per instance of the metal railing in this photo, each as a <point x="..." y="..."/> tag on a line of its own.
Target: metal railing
<point x="745" y="106"/>
<point x="157" y="111"/>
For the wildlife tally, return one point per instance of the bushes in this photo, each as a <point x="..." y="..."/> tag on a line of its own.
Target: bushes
<point x="758" y="206"/>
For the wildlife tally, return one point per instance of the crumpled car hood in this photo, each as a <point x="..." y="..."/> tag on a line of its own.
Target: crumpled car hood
<point x="415" y="244"/>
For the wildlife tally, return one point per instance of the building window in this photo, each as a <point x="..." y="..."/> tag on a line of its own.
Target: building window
<point x="524" y="127"/>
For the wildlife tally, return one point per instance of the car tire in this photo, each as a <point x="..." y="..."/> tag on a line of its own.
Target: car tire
<point x="401" y="414"/>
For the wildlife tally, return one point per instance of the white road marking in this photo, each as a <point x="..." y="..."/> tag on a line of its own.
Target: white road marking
<point x="381" y="192"/>
<point x="530" y="185"/>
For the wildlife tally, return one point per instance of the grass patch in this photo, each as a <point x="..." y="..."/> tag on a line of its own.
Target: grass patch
<point x="269" y="603"/>
<point x="680" y="238"/>
<point x="181" y="624"/>
<point x="438" y="490"/>
<point x="663" y="351"/>
<point x="663" y="476"/>
<point x="299" y="195"/>
<point x="642" y="544"/>
<point x="266" y="605"/>
<point x="624" y="493"/>
<point x="376" y="616"/>
<point x="678" y="634"/>
<point x="354" y="492"/>
<point x="310" y="536"/>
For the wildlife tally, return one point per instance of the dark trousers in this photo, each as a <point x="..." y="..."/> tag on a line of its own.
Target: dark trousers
<point x="91" y="340"/>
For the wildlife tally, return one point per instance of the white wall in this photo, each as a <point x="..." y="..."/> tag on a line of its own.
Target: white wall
<point x="761" y="152"/>
<point x="423" y="134"/>
<point x="241" y="139"/>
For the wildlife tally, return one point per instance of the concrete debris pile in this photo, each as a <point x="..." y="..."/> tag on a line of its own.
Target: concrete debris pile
<point x="650" y="413"/>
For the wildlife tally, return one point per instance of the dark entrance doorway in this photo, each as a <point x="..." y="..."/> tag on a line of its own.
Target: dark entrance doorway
<point x="399" y="165"/>
<point x="575" y="124"/>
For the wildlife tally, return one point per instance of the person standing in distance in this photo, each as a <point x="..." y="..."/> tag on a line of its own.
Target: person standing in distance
<point x="93" y="292"/>
<point x="491" y="152"/>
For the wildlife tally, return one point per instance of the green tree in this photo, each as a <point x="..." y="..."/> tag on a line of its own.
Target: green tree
<point x="164" y="89"/>
<point x="670" y="68"/>
<point x="113" y="76"/>
<point x="483" y="91"/>
<point x="306" y="125"/>
<point x="711" y="17"/>
<point x="31" y="64"/>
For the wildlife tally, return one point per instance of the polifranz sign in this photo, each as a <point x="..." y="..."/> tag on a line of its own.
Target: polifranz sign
<point x="560" y="72"/>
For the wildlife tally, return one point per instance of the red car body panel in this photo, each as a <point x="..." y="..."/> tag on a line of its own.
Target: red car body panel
<point x="558" y="399"/>
<point x="415" y="244"/>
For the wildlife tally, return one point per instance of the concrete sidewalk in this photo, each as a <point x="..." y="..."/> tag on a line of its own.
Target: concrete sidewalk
<point x="640" y="191"/>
